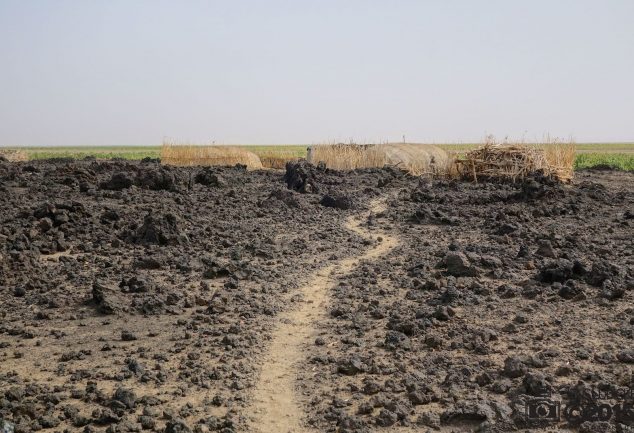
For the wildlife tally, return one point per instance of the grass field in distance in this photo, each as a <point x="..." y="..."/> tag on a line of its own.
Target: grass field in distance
<point x="616" y="155"/>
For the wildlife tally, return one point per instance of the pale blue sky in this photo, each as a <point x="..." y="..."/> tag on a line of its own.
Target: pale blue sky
<point x="78" y="72"/>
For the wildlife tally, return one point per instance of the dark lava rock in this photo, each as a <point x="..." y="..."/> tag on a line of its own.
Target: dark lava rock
<point x="421" y="396"/>
<point x="351" y="424"/>
<point x="626" y="356"/>
<point x="283" y="196"/>
<point x="210" y="178"/>
<point x="371" y="387"/>
<point x="160" y="230"/>
<point x="157" y="179"/>
<point x="483" y="410"/>
<point x="125" y="396"/>
<point x="351" y="366"/>
<point x="136" y="285"/>
<point x="106" y="298"/>
<point x="536" y="384"/>
<point x="601" y="427"/>
<point x="571" y="291"/>
<point x="45" y="224"/>
<point x="514" y="367"/>
<point x="214" y="269"/>
<point x="428" y="215"/>
<point x="177" y="426"/>
<point x="386" y="418"/>
<point x="429" y="419"/>
<point x="117" y="182"/>
<point x="301" y="176"/>
<point x="127" y="336"/>
<point x="539" y="186"/>
<point x="15" y="393"/>
<point x="443" y="313"/>
<point x="149" y="263"/>
<point x="506" y="229"/>
<point x="611" y="291"/>
<point x="546" y="249"/>
<point x="337" y="202"/>
<point x="458" y="265"/>
<point x="397" y="340"/>
<point x="104" y="416"/>
<point x="48" y="421"/>
<point x="147" y="422"/>
<point x="556" y="271"/>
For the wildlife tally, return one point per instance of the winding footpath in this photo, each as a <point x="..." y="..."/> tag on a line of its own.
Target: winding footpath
<point x="275" y="407"/>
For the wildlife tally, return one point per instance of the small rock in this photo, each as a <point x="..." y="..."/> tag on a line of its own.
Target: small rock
<point x="626" y="356"/>
<point x="177" y="426"/>
<point x="386" y="418"/>
<point x="458" y="265"/>
<point x="545" y="249"/>
<point x="514" y="367"/>
<point x="125" y="396"/>
<point x="128" y="336"/>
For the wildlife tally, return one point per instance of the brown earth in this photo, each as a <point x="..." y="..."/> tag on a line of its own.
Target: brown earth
<point x="141" y="297"/>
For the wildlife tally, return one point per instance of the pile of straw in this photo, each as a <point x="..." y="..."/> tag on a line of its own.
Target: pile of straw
<point x="277" y="158"/>
<point x="416" y="159"/>
<point x="517" y="161"/>
<point x="343" y="156"/>
<point x="191" y="155"/>
<point x="14" y="155"/>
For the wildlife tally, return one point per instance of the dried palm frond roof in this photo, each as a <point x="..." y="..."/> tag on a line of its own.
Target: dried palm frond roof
<point x="517" y="161"/>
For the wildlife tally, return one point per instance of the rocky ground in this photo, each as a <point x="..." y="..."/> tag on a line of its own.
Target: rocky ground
<point x="135" y="296"/>
<point x="496" y="296"/>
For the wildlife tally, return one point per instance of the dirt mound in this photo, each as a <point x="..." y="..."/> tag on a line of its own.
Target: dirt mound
<point x="157" y="179"/>
<point x="538" y="186"/>
<point x="159" y="230"/>
<point x="338" y="202"/>
<point x="153" y="178"/>
<point x="118" y="182"/>
<point x="282" y="196"/>
<point x="302" y="176"/>
<point x="209" y="177"/>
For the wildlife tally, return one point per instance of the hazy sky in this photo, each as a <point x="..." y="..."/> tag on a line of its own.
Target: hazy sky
<point x="135" y="71"/>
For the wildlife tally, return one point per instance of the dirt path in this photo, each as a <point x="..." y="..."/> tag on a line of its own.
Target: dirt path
<point x="275" y="408"/>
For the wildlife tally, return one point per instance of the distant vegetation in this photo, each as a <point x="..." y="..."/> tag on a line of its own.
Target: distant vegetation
<point x="620" y="161"/>
<point x="190" y="155"/>
<point x="615" y="155"/>
<point x="100" y="152"/>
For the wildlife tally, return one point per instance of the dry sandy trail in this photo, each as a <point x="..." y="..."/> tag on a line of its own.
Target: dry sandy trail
<point x="275" y="408"/>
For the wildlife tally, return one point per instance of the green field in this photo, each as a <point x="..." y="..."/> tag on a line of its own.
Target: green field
<point x="616" y="155"/>
<point x="140" y="152"/>
<point x="620" y="161"/>
<point x="101" y="152"/>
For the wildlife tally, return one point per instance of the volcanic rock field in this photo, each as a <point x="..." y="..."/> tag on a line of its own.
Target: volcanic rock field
<point x="141" y="297"/>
